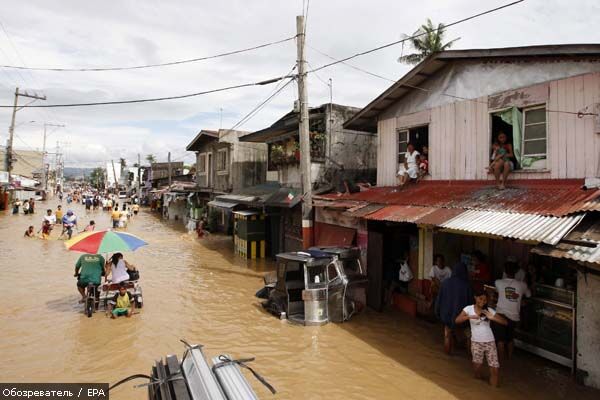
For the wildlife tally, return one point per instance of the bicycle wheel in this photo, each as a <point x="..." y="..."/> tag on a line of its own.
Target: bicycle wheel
<point x="89" y="306"/>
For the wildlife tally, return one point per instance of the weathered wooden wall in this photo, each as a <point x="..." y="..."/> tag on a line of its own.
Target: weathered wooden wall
<point x="460" y="132"/>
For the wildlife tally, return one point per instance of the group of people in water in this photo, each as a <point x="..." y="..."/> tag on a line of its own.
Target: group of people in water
<point x="460" y="296"/>
<point x="68" y="221"/>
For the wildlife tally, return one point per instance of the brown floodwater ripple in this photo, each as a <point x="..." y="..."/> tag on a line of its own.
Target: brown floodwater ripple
<point x="200" y="291"/>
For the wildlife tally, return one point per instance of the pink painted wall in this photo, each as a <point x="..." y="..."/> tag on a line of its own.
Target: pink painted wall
<point x="459" y="132"/>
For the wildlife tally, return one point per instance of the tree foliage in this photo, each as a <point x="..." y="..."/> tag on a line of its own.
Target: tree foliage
<point x="429" y="39"/>
<point x="96" y="178"/>
<point x="151" y="158"/>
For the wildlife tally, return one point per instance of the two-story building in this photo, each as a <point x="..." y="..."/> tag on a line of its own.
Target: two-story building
<point x="225" y="165"/>
<point x="337" y="155"/>
<point x="454" y="104"/>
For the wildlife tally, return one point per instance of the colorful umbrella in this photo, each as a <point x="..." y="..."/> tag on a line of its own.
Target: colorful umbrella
<point x="106" y="241"/>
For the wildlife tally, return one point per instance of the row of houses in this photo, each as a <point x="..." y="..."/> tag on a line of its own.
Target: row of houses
<point x="453" y="105"/>
<point x="31" y="177"/>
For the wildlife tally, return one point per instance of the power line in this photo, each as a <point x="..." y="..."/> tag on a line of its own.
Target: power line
<point x="255" y="111"/>
<point x="101" y="103"/>
<point x="274" y="93"/>
<point x="352" y="66"/>
<point x="191" y="60"/>
<point x="413" y="37"/>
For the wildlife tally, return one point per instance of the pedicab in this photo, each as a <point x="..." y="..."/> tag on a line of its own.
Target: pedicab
<point x="104" y="242"/>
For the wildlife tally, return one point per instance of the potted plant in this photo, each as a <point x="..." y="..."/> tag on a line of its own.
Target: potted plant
<point x="277" y="154"/>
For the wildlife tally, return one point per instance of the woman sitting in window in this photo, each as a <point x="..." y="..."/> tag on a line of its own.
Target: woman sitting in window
<point x="410" y="168"/>
<point x="505" y="163"/>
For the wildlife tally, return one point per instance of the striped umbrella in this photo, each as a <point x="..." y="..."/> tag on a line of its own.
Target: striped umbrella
<point x="105" y="241"/>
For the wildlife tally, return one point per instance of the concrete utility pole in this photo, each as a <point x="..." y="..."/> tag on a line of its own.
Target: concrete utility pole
<point x="44" y="172"/>
<point x="169" y="159"/>
<point x="115" y="176"/>
<point x="304" y="127"/>
<point x="11" y="129"/>
<point x="139" y="177"/>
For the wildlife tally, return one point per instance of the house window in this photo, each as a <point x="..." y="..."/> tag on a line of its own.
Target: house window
<point x="419" y="137"/>
<point x="402" y="145"/>
<point x="202" y="163"/>
<point x="534" y="133"/>
<point x="222" y="160"/>
<point x="526" y="131"/>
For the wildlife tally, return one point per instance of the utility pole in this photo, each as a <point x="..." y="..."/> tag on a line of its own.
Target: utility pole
<point x="115" y="176"/>
<point x="11" y="129"/>
<point x="44" y="171"/>
<point x="139" y="178"/>
<point x="304" y="125"/>
<point x="169" y="159"/>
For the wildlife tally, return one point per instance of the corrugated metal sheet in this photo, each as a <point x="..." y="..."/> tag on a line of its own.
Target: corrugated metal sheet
<point x="538" y="228"/>
<point x="587" y="233"/>
<point x="439" y="216"/>
<point x="340" y="204"/>
<point x="542" y="197"/>
<point x="576" y="253"/>
<point x="362" y="210"/>
<point x="400" y="213"/>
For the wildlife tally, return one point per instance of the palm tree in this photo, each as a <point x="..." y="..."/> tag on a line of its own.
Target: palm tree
<point x="150" y="158"/>
<point x="123" y="163"/>
<point x="428" y="40"/>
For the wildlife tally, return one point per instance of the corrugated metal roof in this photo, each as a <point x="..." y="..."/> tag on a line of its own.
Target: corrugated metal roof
<point x="538" y="228"/>
<point x="400" y="213"/>
<point x="362" y="210"/>
<point x="543" y="197"/>
<point x="564" y="250"/>
<point x="439" y="216"/>
<point x="587" y="233"/>
<point x="221" y="204"/>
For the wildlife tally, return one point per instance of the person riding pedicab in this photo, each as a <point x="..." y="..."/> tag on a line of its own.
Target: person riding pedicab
<point x="122" y="303"/>
<point x="89" y="269"/>
<point x="119" y="269"/>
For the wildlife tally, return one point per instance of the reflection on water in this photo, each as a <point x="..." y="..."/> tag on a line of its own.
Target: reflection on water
<point x="200" y="291"/>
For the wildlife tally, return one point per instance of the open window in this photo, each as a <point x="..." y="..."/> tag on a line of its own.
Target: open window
<point x="418" y="136"/>
<point x="526" y="131"/>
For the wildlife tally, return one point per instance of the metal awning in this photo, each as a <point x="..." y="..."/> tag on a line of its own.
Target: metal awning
<point x="222" y="204"/>
<point x="581" y="244"/>
<point x="529" y="227"/>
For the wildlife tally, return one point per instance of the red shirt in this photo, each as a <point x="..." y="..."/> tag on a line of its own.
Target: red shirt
<point x="481" y="273"/>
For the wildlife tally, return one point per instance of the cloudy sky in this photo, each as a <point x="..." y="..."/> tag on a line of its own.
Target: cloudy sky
<point x="94" y="33"/>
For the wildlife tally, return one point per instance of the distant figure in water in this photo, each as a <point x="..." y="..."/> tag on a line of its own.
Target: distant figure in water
<point x="29" y="232"/>
<point x="91" y="226"/>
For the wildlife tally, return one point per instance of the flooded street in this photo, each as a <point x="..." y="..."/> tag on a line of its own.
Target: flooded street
<point x="200" y="291"/>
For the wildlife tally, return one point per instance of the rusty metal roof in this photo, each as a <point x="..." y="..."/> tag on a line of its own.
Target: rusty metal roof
<point x="541" y="197"/>
<point x="400" y="213"/>
<point x="529" y="227"/>
<point x="362" y="210"/>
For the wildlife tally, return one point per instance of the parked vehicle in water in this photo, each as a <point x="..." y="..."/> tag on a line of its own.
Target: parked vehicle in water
<point x="317" y="286"/>
<point x="122" y="194"/>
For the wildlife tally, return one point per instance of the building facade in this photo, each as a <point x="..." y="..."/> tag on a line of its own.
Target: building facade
<point x="453" y="105"/>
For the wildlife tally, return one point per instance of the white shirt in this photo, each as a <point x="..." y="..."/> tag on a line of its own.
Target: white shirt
<point x="510" y="294"/>
<point x="119" y="272"/>
<point x="411" y="159"/>
<point x="441" y="274"/>
<point x="50" y="218"/>
<point x="519" y="276"/>
<point x="480" y="328"/>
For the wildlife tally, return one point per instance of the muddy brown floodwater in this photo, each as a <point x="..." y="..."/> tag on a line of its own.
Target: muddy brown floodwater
<point x="200" y="291"/>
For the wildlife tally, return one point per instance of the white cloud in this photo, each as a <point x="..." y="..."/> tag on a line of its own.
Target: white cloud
<point x="96" y="33"/>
